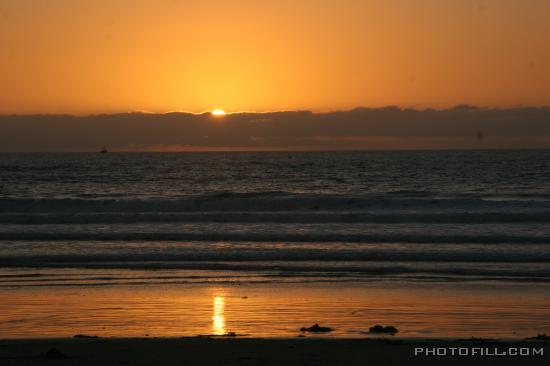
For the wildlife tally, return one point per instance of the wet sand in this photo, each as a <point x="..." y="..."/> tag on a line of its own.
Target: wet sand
<point x="431" y="310"/>
<point x="255" y="352"/>
<point x="157" y="325"/>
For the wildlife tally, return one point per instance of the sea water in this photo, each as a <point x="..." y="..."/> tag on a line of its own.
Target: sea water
<point x="347" y="220"/>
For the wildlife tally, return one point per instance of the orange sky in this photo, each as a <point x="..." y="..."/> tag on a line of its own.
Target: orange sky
<point x="93" y="56"/>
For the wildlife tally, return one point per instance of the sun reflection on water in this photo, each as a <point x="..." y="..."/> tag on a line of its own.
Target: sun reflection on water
<point x="218" y="319"/>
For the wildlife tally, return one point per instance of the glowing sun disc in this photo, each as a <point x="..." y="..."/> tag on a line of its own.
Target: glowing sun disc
<point x="218" y="112"/>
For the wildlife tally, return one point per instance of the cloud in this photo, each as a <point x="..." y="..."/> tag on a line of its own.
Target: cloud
<point x="357" y="129"/>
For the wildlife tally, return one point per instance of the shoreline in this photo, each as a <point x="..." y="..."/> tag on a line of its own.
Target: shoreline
<point x="238" y="351"/>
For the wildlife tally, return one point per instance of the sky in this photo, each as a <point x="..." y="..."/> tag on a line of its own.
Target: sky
<point x="113" y="56"/>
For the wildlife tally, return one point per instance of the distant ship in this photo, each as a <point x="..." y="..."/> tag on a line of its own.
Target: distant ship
<point x="103" y="150"/>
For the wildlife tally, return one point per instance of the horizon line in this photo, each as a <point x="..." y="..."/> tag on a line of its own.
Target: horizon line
<point x="282" y="150"/>
<point x="229" y="113"/>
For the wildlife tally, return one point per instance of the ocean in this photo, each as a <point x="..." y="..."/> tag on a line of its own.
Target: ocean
<point x="297" y="219"/>
<point x="86" y="218"/>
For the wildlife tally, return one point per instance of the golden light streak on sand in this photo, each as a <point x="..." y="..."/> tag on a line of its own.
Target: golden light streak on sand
<point x="218" y="319"/>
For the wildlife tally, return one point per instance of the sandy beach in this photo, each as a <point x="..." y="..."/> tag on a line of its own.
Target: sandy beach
<point x="252" y="352"/>
<point x="429" y="310"/>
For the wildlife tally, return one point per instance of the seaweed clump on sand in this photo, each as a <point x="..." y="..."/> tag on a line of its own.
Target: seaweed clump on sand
<point x="378" y="329"/>
<point x="54" y="354"/>
<point x="540" y="337"/>
<point x="224" y="335"/>
<point x="316" y="328"/>
<point x="85" y="336"/>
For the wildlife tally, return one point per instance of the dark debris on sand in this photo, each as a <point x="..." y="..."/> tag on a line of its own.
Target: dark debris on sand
<point x="85" y="336"/>
<point x="225" y="335"/>
<point x="540" y="337"/>
<point x="477" y="339"/>
<point x="54" y="354"/>
<point x="316" y="328"/>
<point x="378" y="329"/>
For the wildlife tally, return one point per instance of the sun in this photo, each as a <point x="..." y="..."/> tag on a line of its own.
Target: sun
<point x="218" y="112"/>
